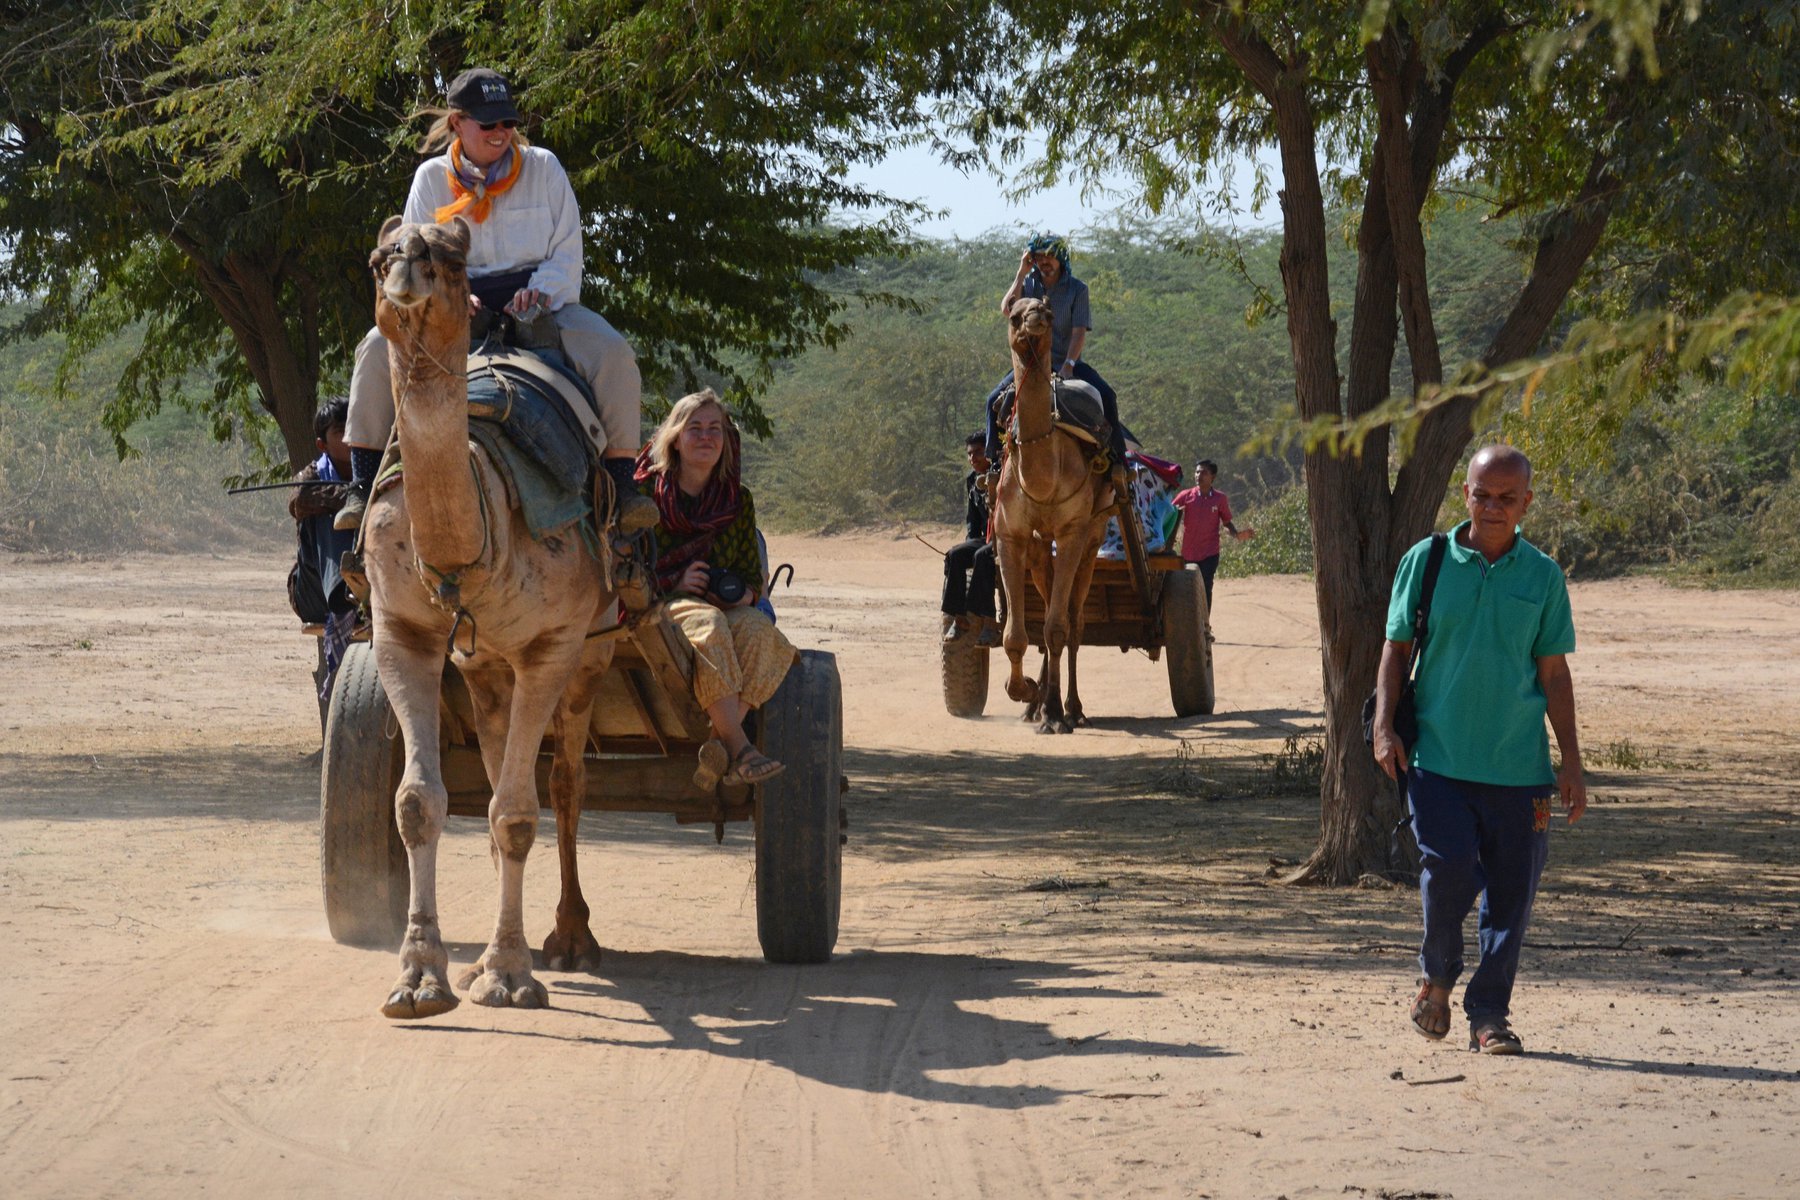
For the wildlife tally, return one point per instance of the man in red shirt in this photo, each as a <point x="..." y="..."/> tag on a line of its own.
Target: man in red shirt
<point x="1203" y="512"/>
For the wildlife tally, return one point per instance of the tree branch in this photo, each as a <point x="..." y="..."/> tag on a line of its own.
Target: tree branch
<point x="1389" y="65"/>
<point x="1568" y="242"/>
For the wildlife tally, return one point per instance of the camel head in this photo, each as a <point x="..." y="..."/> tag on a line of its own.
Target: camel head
<point x="415" y="264"/>
<point x="1028" y="329"/>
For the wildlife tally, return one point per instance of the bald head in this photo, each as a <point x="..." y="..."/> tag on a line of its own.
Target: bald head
<point x="1497" y="493"/>
<point x="1502" y="460"/>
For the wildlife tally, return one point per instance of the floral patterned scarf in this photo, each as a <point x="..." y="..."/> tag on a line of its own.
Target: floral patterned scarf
<point x="692" y="524"/>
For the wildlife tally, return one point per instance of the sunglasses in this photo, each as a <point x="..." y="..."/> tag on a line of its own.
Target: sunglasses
<point x="490" y="126"/>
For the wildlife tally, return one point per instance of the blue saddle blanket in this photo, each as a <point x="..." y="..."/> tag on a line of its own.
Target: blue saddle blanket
<point x="535" y="419"/>
<point x="534" y="440"/>
<point x="546" y="502"/>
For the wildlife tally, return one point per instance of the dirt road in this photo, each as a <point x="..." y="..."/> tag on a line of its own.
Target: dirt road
<point x="177" y="1022"/>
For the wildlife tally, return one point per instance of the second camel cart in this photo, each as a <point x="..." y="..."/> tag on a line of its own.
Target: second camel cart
<point x="1144" y="601"/>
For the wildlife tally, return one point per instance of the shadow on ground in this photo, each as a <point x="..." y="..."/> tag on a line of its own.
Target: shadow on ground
<point x="874" y="1021"/>
<point x="1675" y="879"/>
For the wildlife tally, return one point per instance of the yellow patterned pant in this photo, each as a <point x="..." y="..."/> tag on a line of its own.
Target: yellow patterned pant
<point x="737" y="652"/>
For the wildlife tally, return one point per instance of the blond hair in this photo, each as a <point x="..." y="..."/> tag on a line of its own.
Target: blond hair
<point x="443" y="130"/>
<point x="662" y="453"/>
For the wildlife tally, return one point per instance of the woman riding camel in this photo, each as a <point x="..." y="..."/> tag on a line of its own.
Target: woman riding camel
<point x="524" y="255"/>
<point x="706" y="554"/>
<point x="1044" y="274"/>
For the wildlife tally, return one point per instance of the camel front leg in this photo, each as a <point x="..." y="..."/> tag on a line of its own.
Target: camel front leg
<point x="1056" y="637"/>
<point x="411" y="663"/>
<point x="1014" y="570"/>
<point x="1084" y="581"/>
<point x="502" y="975"/>
<point x="570" y="946"/>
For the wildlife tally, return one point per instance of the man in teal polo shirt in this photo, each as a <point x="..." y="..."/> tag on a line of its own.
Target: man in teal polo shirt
<point x="1479" y="781"/>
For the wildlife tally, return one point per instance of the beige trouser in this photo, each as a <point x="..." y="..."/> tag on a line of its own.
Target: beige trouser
<point x="597" y="351"/>
<point x="737" y="652"/>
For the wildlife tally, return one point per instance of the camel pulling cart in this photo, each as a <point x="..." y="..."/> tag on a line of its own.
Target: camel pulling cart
<point x="1146" y="602"/>
<point x="645" y="733"/>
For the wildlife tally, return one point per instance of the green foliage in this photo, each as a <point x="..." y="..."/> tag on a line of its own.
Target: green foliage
<point x="871" y="430"/>
<point x="216" y="170"/>
<point x="1625" y="755"/>
<point x="1701" y="481"/>
<point x="64" y="489"/>
<point x="1283" y="542"/>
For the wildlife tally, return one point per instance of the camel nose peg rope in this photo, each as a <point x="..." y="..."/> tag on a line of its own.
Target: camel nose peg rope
<point x="463" y="614"/>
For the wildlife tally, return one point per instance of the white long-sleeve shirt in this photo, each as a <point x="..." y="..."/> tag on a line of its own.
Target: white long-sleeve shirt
<point x="536" y="223"/>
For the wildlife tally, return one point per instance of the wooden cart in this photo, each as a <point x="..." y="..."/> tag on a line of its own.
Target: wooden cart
<point x="645" y="733"/>
<point x="1148" y="602"/>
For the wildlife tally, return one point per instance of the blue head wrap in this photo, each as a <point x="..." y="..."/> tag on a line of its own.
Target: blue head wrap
<point x="1052" y="244"/>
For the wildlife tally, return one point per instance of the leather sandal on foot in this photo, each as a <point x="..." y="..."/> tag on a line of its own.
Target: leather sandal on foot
<point x="1430" y="1017"/>
<point x="1492" y="1035"/>
<point x="752" y="766"/>
<point x="713" y="763"/>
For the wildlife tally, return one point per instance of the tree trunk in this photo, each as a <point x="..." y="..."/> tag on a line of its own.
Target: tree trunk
<point x="247" y="294"/>
<point x="1358" y="805"/>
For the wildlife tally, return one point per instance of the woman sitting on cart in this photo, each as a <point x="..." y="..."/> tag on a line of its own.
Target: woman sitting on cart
<point x="706" y="557"/>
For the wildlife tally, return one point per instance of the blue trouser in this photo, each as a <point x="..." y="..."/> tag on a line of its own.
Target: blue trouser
<point x="1486" y="839"/>
<point x="1109" y="404"/>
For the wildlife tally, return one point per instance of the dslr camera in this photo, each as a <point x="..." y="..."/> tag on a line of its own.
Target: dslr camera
<point x="726" y="584"/>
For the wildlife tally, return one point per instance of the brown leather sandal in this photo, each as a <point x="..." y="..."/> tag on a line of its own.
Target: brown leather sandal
<point x="752" y="766"/>
<point x="1492" y="1035"/>
<point x="1427" y="1013"/>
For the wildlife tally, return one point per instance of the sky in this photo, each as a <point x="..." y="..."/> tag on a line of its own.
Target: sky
<point x="975" y="203"/>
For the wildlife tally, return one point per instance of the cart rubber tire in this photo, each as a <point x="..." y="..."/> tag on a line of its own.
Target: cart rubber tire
<point x="965" y="670"/>
<point x="362" y="860"/>
<point x="1184" y="636"/>
<point x="799" y="838"/>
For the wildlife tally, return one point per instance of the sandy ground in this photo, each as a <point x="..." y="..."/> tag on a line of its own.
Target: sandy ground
<point x="178" y="1022"/>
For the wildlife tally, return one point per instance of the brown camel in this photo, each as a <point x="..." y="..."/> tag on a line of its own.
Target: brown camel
<point x="451" y="565"/>
<point x="1048" y="495"/>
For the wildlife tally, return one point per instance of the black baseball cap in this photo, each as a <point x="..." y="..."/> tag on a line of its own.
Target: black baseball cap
<point x="484" y="95"/>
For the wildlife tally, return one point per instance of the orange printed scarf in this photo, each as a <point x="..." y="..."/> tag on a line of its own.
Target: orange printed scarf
<point x="476" y="202"/>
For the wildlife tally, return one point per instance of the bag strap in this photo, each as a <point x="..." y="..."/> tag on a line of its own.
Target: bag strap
<point x="1434" y="562"/>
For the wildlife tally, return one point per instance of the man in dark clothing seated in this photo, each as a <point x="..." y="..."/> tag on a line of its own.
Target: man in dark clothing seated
<point x="316" y="588"/>
<point x="969" y="565"/>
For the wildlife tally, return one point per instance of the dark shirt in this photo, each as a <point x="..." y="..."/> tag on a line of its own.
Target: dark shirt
<point x="315" y="587"/>
<point x="975" y="519"/>
<point x="1068" y="310"/>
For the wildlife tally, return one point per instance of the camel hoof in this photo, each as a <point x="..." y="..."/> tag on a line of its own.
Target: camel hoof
<point x="433" y="998"/>
<point x="576" y="951"/>
<point x="410" y="1004"/>
<point x="494" y="990"/>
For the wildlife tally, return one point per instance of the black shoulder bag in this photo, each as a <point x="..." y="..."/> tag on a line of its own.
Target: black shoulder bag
<point x="1406" y="718"/>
